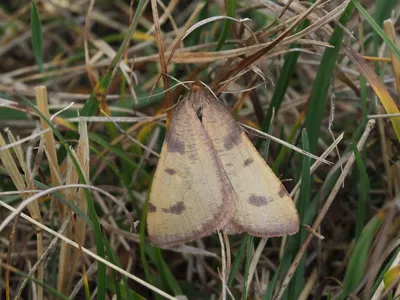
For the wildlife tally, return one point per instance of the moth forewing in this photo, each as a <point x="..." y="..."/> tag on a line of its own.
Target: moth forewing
<point x="191" y="196"/>
<point x="263" y="206"/>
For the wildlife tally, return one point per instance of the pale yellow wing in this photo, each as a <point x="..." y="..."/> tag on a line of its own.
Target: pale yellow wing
<point x="263" y="206"/>
<point x="191" y="196"/>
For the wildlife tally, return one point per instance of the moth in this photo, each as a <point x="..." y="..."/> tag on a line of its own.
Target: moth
<point x="210" y="177"/>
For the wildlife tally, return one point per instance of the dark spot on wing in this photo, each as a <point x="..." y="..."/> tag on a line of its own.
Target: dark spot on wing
<point x="248" y="161"/>
<point x="174" y="143"/>
<point x="282" y="191"/>
<point x="175" y="209"/>
<point x="233" y="138"/>
<point x="151" y="208"/>
<point x="229" y="165"/>
<point x="258" y="200"/>
<point x="170" y="171"/>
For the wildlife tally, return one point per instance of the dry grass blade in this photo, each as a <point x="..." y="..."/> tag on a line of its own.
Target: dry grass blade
<point x="380" y="90"/>
<point x="68" y="265"/>
<point x="89" y="69"/>
<point x="49" y="249"/>
<point x="248" y="61"/>
<point x="11" y="167"/>
<point x="172" y="57"/>
<point x="223" y="271"/>
<point x="65" y="250"/>
<point x="163" y="63"/>
<point x="254" y="262"/>
<point x="185" y="29"/>
<point x="396" y="261"/>
<point x="49" y="142"/>
<point x="14" y="106"/>
<point x="311" y="282"/>
<point x="318" y="162"/>
<point x="132" y="139"/>
<point x="125" y="69"/>
<point x="167" y="15"/>
<point x="318" y="22"/>
<point x="383" y="116"/>
<point x="263" y="134"/>
<point x="132" y="129"/>
<point x="382" y="239"/>
<point x="390" y="31"/>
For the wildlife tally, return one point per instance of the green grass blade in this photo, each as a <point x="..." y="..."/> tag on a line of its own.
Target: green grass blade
<point x="194" y="38"/>
<point x="359" y="257"/>
<point x="91" y="104"/>
<point x="283" y="267"/>
<point x="316" y="104"/>
<point x="364" y="106"/>
<point x="249" y="254"/>
<point x="383" y="10"/>
<point x="230" y="11"/>
<point x="287" y="72"/>
<point x="288" y="69"/>
<point x="377" y="28"/>
<point x="238" y="260"/>
<point x="383" y="272"/>
<point x="265" y="152"/>
<point x="143" y="243"/>
<point x="115" y="260"/>
<point x="37" y="36"/>
<point x="166" y="274"/>
<point x="297" y="283"/>
<point x="284" y="151"/>
<point x="364" y="188"/>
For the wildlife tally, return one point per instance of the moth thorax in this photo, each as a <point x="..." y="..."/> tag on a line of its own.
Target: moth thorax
<point x="199" y="113"/>
<point x="198" y="108"/>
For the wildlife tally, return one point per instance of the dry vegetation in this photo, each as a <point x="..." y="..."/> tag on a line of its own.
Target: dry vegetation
<point x="85" y="88"/>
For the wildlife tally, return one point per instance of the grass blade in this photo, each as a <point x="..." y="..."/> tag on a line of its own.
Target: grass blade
<point x="316" y="101"/>
<point x="37" y="36"/>
<point x="364" y="188"/>
<point x="288" y="70"/>
<point x="99" y="91"/>
<point x="303" y="203"/>
<point x="377" y="28"/>
<point x="379" y="88"/>
<point x="359" y="256"/>
<point x="238" y="260"/>
<point x="166" y="273"/>
<point x="249" y="255"/>
<point x="230" y="12"/>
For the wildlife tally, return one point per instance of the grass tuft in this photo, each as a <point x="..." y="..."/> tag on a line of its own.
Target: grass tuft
<point x="83" y="117"/>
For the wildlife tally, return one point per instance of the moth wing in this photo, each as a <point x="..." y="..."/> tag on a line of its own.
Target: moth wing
<point x="263" y="206"/>
<point x="191" y="196"/>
